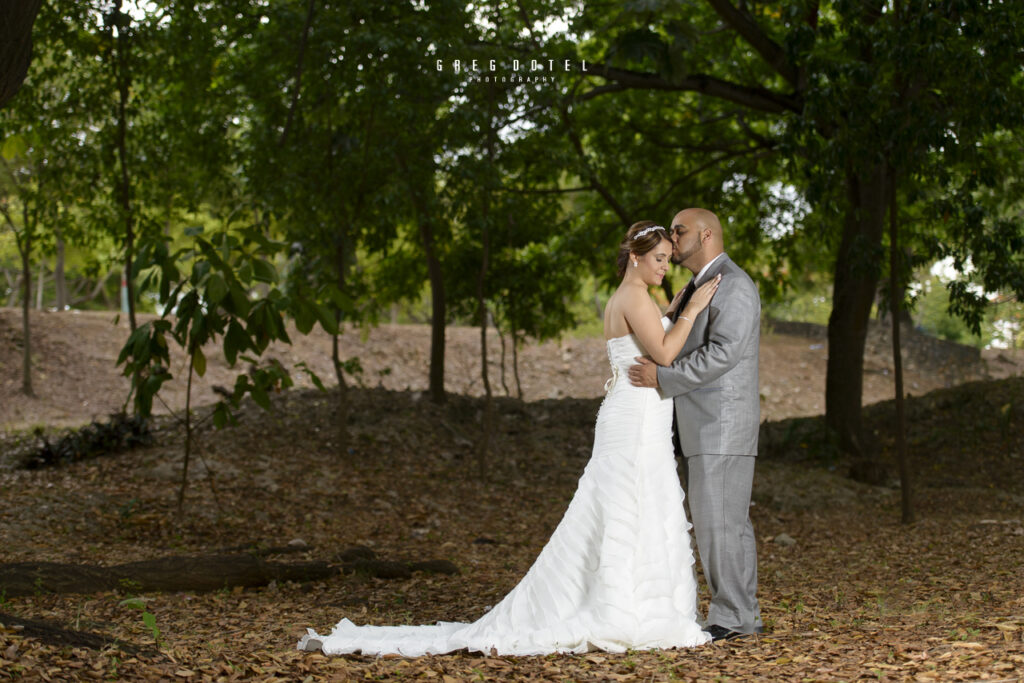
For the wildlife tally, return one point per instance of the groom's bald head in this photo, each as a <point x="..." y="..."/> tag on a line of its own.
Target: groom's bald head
<point x="697" y="238"/>
<point x="703" y="220"/>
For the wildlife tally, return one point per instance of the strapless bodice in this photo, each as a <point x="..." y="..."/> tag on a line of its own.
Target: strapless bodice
<point x="622" y="353"/>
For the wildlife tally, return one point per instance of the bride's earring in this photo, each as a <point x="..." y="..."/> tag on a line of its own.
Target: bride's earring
<point x="636" y="264"/>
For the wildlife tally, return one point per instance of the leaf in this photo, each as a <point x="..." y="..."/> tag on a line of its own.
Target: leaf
<point x="239" y="300"/>
<point x="312" y="375"/>
<point x="236" y="341"/>
<point x="200" y="270"/>
<point x="216" y="289"/>
<point x="133" y="603"/>
<point x="305" y="317"/>
<point x="199" y="361"/>
<point x="259" y="395"/>
<point x="264" y="271"/>
<point x="635" y="46"/>
<point x="14" y="146"/>
<point x="327" y="319"/>
<point x="135" y="344"/>
<point x="145" y="393"/>
<point x="200" y="332"/>
<point x="186" y="307"/>
<point x="221" y="415"/>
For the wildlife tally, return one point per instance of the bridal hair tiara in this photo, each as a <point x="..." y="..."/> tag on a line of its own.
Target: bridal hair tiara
<point x="646" y="231"/>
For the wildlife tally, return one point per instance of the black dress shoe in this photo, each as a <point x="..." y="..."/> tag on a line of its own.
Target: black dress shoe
<point x="722" y="633"/>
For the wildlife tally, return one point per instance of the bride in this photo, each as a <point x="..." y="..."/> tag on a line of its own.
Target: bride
<point x="617" y="573"/>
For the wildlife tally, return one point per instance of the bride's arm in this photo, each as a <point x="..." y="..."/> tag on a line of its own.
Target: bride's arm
<point x="644" y="319"/>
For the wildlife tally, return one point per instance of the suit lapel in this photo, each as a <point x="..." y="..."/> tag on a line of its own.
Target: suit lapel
<point x="692" y="286"/>
<point x="699" y="332"/>
<point x="687" y="293"/>
<point x="715" y="269"/>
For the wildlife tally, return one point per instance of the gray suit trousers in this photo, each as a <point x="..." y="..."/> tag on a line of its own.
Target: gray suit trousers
<point x="718" y="490"/>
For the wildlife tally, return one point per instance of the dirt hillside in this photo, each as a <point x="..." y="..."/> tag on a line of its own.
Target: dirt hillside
<point x="75" y="378"/>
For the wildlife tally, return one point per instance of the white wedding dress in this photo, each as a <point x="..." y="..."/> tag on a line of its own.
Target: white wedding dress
<point x="616" y="574"/>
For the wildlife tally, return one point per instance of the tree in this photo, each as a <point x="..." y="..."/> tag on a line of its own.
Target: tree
<point x="24" y="234"/>
<point x="119" y="49"/>
<point x="40" y="155"/>
<point x="854" y="95"/>
<point x="210" y="298"/>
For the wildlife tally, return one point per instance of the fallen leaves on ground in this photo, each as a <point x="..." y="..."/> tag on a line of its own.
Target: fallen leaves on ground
<point x="846" y="591"/>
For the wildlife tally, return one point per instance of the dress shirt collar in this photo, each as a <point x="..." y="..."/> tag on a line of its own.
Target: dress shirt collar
<point x="706" y="267"/>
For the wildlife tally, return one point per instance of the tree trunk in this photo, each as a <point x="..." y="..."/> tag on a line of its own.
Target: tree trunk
<point x="188" y="435"/>
<point x="25" y="246"/>
<point x="16" y="19"/>
<point x="666" y="287"/>
<point x="59" y="279"/>
<point x="12" y="286"/>
<point x="487" y="422"/>
<point x="504" y="353"/>
<point x="856" y="279"/>
<point x="109" y="299"/>
<point x="124" y="181"/>
<point x="203" y="573"/>
<point x="438" y="314"/>
<point x="41" y="286"/>
<point x="297" y="77"/>
<point x="341" y="407"/>
<point x="52" y="634"/>
<point x="895" y="307"/>
<point x="438" y="302"/>
<point x="342" y="249"/>
<point x="515" y="365"/>
<point x="99" y="289"/>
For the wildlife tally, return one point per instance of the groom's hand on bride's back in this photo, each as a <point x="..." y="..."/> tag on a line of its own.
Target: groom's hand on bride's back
<point x="645" y="374"/>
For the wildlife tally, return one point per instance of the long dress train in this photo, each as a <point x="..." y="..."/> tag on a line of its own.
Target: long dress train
<point x="616" y="574"/>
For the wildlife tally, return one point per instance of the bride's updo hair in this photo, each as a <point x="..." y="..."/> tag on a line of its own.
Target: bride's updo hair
<point x="639" y="244"/>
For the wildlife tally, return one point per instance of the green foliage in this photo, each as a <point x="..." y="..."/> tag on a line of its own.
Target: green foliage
<point x="148" y="618"/>
<point x="222" y="288"/>
<point x="812" y="305"/>
<point x="931" y="313"/>
<point x="346" y="156"/>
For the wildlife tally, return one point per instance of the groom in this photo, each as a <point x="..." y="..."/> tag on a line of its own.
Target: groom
<point x="714" y="384"/>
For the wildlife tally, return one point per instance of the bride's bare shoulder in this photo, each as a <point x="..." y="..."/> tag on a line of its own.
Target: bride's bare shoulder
<point x="631" y="294"/>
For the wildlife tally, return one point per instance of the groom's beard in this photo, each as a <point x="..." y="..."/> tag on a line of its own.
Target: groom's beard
<point x="680" y="258"/>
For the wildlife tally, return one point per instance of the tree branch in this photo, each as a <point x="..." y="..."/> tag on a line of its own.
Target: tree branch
<point x="760" y="151"/>
<point x="760" y="99"/>
<point x="297" y="85"/>
<point x="756" y="137"/>
<point x="598" y="186"/>
<point x="655" y="136"/>
<point x="770" y="51"/>
<point x="551" y="190"/>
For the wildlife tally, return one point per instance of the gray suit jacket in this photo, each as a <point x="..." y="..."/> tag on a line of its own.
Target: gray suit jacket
<point x="714" y="378"/>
